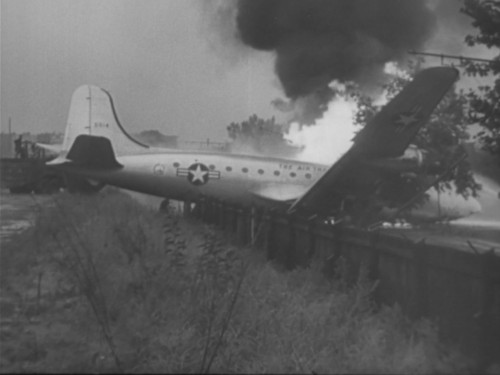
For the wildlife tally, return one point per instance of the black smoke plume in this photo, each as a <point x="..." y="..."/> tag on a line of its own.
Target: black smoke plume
<point x="317" y="41"/>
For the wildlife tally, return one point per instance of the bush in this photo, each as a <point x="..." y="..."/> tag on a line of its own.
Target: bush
<point x="149" y="292"/>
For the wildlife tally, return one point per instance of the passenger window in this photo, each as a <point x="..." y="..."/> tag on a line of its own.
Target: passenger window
<point x="308" y="175"/>
<point x="176" y="165"/>
<point x="276" y="173"/>
<point x="292" y="174"/>
<point x="261" y="171"/>
<point x="229" y="169"/>
<point x="244" y="170"/>
<point x="212" y="167"/>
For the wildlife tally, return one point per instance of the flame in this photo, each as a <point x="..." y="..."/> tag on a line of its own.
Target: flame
<point x="330" y="136"/>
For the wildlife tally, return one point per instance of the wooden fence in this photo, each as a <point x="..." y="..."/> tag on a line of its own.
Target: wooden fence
<point x="459" y="290"/>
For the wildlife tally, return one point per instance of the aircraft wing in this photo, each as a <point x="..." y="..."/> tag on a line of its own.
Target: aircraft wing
<point x="388" y="134"/>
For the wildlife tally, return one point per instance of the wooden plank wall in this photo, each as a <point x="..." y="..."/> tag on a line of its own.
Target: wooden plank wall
<point x="458" y="290"/>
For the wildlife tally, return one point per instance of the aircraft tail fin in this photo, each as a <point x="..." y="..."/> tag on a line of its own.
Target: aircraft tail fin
<point x="92" y="113"/>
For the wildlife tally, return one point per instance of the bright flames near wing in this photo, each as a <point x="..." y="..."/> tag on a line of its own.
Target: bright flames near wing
<point x="330" y="136"/>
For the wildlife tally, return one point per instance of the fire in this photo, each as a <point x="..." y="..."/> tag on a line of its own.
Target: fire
<point x="330" y="136"/>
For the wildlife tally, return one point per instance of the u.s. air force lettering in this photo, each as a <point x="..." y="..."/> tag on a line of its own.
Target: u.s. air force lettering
<point x="198" y="174"/>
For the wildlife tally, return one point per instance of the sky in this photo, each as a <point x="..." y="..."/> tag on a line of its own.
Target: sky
<point x="154" y="57"/>
<point x="162" y="61"/>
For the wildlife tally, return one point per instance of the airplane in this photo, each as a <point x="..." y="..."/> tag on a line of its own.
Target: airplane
<point x="98" y="150"/>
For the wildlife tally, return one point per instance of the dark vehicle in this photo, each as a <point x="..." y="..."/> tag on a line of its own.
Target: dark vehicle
<point x="28" y="172"/>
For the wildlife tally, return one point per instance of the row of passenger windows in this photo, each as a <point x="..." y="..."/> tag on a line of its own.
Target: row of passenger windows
<point x="245" y="170"/>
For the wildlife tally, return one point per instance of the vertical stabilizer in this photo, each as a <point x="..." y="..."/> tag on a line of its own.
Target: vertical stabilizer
<point x="92" y="113"/>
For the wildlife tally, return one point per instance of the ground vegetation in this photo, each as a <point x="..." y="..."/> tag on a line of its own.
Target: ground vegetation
<point x="102" y="284"/>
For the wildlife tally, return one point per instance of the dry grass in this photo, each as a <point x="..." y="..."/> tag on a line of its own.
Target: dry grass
<point x="128" y="289"/>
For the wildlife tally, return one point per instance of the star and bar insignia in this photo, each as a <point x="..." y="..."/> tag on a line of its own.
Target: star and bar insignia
<point x="407" y="119"/>
<point x="198" y="174"/>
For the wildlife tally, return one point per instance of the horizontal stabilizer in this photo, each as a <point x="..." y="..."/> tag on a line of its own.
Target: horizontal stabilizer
<point x="390" y="132"/>
<point x="93" y="151"/>
<point x="387" y="135"/>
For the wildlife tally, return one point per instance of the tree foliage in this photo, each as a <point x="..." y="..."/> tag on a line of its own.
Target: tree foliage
<point x="442" y="138"/>
<point x="484" y="102"/>
<point x="259" y="136"/>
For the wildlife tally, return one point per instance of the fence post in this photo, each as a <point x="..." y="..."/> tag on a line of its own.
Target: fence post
<point x="221" y="209"/>
<point x="290" y="257"/>
<point x="373" y="261"/>
<point x="270" y="248"/>
<point x="241" y="226"/>
<point x="186" y="209"/>
<point x="201" y="208"/>
<point x="214" y="212"/>
<point x="207" y="211"/>
<point x="311" y="225"/>
<point x="420" y="283"/>
<point x="329" y="267"/>
<point x="489" y="319"/>
<point x="253" y="223"/>
<point x="230" y="219"/>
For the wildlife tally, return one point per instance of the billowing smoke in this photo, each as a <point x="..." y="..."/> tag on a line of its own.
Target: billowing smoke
<point x="318" y="41"/>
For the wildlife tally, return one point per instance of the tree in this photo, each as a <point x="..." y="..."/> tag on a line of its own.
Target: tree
<point x="259" y="136"/>
<point x="442" y="137"/>
<point x="484" y="102"/>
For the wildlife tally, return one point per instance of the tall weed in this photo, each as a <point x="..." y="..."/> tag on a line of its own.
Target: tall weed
<point x="166" y="295"/>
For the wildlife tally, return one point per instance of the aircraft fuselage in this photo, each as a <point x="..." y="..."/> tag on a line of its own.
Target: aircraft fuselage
<point x="183" y="175"/>
<point x="190" y="175"/>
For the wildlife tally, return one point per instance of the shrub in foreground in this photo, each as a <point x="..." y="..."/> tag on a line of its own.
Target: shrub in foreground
<point x="153" y="293"/>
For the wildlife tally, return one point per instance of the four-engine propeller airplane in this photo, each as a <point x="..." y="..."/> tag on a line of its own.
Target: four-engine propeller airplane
<point x="97" y="148"/>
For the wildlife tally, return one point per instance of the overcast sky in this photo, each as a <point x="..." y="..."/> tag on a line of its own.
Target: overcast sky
<point x="156" y="57"/>
<point x="153" y="56"/>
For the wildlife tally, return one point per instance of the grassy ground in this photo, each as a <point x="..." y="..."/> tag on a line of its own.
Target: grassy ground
<point x="102" y="284"/>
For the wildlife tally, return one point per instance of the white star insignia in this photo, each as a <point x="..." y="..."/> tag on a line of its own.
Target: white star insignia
<point x="198" y="174"/>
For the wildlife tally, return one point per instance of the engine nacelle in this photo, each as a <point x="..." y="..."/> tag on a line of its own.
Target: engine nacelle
<point x="412" y="160"/>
